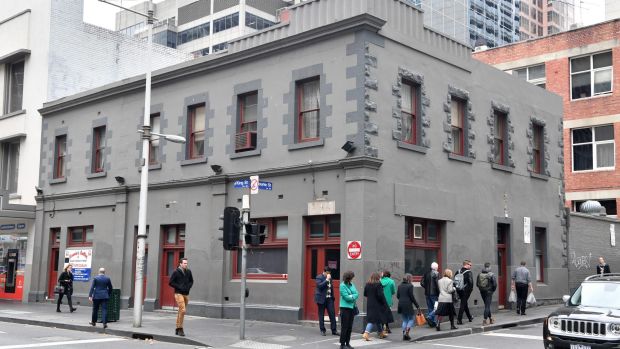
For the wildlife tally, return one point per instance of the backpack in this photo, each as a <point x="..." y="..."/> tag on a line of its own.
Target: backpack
<point x="459" y="280"/>
<point x="484" y="282"/>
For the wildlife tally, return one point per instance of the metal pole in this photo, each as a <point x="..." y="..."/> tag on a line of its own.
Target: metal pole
<point x="144" y="178"/>
<point x="245" y="209"/>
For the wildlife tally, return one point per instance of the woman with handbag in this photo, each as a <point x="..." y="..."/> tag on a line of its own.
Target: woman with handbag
<point x="376" y="306"/>
<point x="65" y="280"/>
<point x="406" y="300"/>
<point x="446" y="305"/>
<point x="348" y="308"/>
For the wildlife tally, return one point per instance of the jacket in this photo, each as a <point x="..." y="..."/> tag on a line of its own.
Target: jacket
<point x="376" y="306"/>
<point x="101" y="287"/>
<point x="429" y="283"/>
<point x="322" y="285"/>
<point x="66" y="281"/>
<point x="603" y="268"/>
<point x="406" y="299"/>
<point x="389" y="290"/>
<point x="348" y="295"/>
<point x="469" y="280"/>
<point x="492" y="280"/>
<point x="446" y="289"/>
<point x="182" y="281"/>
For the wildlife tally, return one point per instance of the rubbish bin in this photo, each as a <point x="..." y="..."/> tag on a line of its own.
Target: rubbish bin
<point x="114" y="306"/>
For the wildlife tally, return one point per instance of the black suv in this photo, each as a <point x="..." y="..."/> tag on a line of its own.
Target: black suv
<point x="590" y="318"/>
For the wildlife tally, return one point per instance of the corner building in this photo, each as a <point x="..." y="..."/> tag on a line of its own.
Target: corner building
<point x="453" y="160"/>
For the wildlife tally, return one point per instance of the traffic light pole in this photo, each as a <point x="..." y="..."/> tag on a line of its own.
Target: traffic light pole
<point x="245" y="211"/>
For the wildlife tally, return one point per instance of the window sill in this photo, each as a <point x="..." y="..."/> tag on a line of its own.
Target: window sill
<point x="539" y="176"/>
<point x="460" y="158"/>
<point x="14" y="196"/>
<point x="602" y="169"/>
<point x="280" y="279"/>
<point x="96" y="175"/>
<point x="304" y="145"/>
<point x="602" y="95"/>
<point x="413" y="147"/>
<point x="245" y="154"/>
<point x="151" y="167"/>
<point x="202" y="160"/>
<point x="11" y="114"/>
<point x="502" y="167"/>
<point x="58" y="180"/>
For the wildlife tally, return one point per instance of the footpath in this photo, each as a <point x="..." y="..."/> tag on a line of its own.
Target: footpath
<point x="224" y="333"/>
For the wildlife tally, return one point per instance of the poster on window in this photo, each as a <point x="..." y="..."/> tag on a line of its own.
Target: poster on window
<point x="81" y="261"/>
<point x="526" y="230"/>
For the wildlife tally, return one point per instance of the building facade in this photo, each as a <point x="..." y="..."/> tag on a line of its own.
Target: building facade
<point x="542" y="18"/>
<point x="582" y="66"/>
<point x="449" y="159"/>
<point x="47" y="53"/>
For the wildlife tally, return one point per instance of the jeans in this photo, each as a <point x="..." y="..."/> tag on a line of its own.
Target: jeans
<point x="430" y="304"/>
<point x="464" y="308"/>
<point x="407" y="321"/>
<point x="346" y="325"/>
<point x="104" y="310"/>
<point x="329" y="305"/>
<point x="370" y="325"/>
<point x="182" y="301"/>
<point x="521" y="297"/>
<point x="486" y="298"/>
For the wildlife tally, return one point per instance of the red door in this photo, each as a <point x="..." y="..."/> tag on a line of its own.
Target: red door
<point x="173" y="249"/>
<point x="317" y="257"/>
<point x="53" y="262"/>
<point x="502" y="259"/>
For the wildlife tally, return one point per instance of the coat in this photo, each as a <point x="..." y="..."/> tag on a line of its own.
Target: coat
<point x="469" y="280"/>
<point x="66" y="281"/>
<point x="182" y="281"/>
<point x="604" y="268"/>
<point x="376" y="306"/>
<point x="101" y="287"/>
<point x="429" y="283"/>
<point x="446" y="289"/>
<point x="389" y="290"/>
<point x="320" y="293"/>
<point x="406" y="299"/>
<point x="348" y="295"/>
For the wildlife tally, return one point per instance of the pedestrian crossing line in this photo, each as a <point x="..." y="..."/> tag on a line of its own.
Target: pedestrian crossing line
<point x="511" y="335"/>
<point x="51" y="344"/>
<point x="455" y="346"/>
<point x="248" y="344"/>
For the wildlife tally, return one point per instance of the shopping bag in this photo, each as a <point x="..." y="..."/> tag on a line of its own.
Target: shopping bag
<point x="419" y="319"/>
<point x="531" y="299"/>
<point x="513" y="297"/>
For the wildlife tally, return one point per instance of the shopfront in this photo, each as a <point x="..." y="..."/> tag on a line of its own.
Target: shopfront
<point x="13" y="242"/>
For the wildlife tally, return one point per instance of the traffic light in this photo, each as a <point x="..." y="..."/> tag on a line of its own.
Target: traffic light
<point x="255" y="234"/>
<point x="230" y="228"/>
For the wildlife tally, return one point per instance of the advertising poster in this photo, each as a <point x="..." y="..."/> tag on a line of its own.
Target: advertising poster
<point x="81" y="260"/>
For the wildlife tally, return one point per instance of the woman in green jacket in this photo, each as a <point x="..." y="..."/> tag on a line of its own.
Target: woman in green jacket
<point x="389" y="289"/>
<point x="348" y="295"/>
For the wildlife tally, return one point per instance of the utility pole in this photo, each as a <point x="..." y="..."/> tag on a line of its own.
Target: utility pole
<point x="245" y="211"/>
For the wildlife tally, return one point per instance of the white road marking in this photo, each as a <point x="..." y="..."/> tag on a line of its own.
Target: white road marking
<point x="510" y="335"/>
<point x="248" y="344"/>
<point x="40" y="345"/>
<point x="455" y="346"/>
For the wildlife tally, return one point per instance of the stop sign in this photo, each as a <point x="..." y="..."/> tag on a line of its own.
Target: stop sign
<point x="354" y="249"/>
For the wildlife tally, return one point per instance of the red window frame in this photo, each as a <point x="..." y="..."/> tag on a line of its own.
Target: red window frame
<point x="540" y="252"/>
<point x="300" y="112"/>
<point x="271" y="242"/>
<point x="55" y="237"/>
<point x="537" y="134"/>
<point x="245" y="126"/>
<point x="193" y="133"/>
<point x="327" y="237"/>
<point x="414" y="112"/>
<point x="500" y="135"/>
<point x="423" y="243"/>
<point x="461" y="116"/>
<point x="83" y="230"/>
<point x="59" y="163"/>
<point x="98" y="148"/>
<point x="154" y="149"/>
<point x="179" y="240"/>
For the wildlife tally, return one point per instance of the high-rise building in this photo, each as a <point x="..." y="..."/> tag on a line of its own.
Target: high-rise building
<point x="545" y="17"/>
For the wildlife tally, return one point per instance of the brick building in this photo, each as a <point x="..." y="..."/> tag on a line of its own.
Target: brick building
<point x="582" y="66"/>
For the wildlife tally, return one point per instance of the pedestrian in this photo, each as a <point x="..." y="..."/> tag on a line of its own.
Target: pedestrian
<point x="182" y="281"/>
<point x="465" y="291"/>
<point x="520" y="283"/>
<point x="348" y="296"/>
<point x="406" y="300"/>
<point x="389" y="290"/>
<point x="431" y="292"/>
<point x="375" y="306"/>
<point x="66" y="282"/>
<point x="100" y="292"/>
<point x="446" y="305"/>
<point x="487" y="284"/>
<point x="324" y="299"/>
<point x="602" y="267"/>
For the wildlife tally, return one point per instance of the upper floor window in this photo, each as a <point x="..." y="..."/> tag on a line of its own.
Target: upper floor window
<point x="458" y="123"/>
<point x="535" y="75"/>
<point x="80" y="236"/>
<point x="537" y="148"/>
<point x="591" y="75"/>
<point x="500" y="136"/>
<point x="59" y="159"/>
<point x="410" y="112"/>
<point x="196" y="128"/>
<point x="248" y="114"/>
<point x="9" y="154"/>
<point x="308" y="110"/>
<point x="226" y="22"/>
<point x="154" y="144"/>
<point x="323" y="227"/>
<point x="256" y="22"/>
<point x="14" y="86"/>
<point x="98" y="148"/>
<point x="593" y="148"/>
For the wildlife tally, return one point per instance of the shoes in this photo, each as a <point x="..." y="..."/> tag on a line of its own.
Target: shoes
<point x="382" y="335"/>
<point x="491" y="320"/>
<point x="388" y="330"/>
<point x="438" y="327"/>
<point x="523" y="313"/>
<point x="92" y="323"/>
<point x="518" y="312"/>
<point x="485" y="322"/>
<point x="348" y="346"/>
<point x="105" y="325"/>
<point x="471" y="319"/>
<point x="431" y="324"/>
<point x="342" y="346"/>
<point x="181" y="333"/>
<point x="454" y="328"/>
<point x="322" y="333"/>
<point x="459" y="322"/>
<point x="58" y="310"/>
<point x="176" y="331"/>
<point x="335" y="333"/>
<point x="366" y="336"/>
<point x="73" y="309"/>
<point x="406" y="337"/>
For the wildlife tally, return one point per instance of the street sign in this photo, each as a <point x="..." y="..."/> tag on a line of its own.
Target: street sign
<point x="354" y="249"/>
<point x="242" y="183"/>
<point x="264" y="185"/>
<point x="254" y="184"/>
<point x="246" y="183"/>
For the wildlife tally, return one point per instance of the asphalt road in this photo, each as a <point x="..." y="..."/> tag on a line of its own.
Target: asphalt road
<point x="17" y="336"/>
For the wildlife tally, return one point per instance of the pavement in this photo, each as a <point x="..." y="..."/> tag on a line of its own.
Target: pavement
<point x="224" y="333"/>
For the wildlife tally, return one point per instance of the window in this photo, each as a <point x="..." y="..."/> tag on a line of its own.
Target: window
<point x="80" y="236"/>
<point x="534" y="75"/>
<point x="173" y="235"/>
<point x="500" y="137"/>
<point x="194" y="33"/>
<point x="323" y="227"/>
<point x="611" y="208"/>
<point x="422" y="245"/>
<point x="537" y="148"/>
<point x="308" y="110"/>
<point x="219" y="47"/>
<point x="410" y="112"/>
<point x="593" y="148"/>
<point x="14" y="87"/>
<point x="269" y="260"/>
<point x="59" y="160"/>
<point x="226" y="22"/>
<point x="541" y="251"/>
<point x="256" y="22"/>
<point x="196" y="126"/>
<point x="248" y="113"/>
<point x="98" y="149"/>
<point x="9" y="153"/>
<point x="457" y="119"/>
<point x="591" y="75"/>
<point x="154" y="144"/>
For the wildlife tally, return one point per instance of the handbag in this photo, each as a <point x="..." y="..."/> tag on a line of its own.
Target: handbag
<point x="59" y="289"/>
<point x="356" y="310"/>
<point x="419" y="319"/>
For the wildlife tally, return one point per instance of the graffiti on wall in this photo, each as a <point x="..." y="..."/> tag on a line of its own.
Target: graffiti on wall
<point x="580" y="262"/>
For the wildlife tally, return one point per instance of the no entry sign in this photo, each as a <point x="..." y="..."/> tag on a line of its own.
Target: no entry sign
<point x="354" y="250"/>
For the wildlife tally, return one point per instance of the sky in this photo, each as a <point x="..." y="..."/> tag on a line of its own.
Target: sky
<point x="590" y="11"/>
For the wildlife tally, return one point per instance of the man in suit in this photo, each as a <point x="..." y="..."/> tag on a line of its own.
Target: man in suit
<point x="100" y="292"/>
<point x="324" y="299"/>
<point x="602" y="267"/>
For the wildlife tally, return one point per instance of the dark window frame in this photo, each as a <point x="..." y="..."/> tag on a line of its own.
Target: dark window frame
<point x="83" y="230"/>
<point x="461" y="111"/>
<point x="192" y="132"/>
<point x="414" y="115"/>
<point x="500" y="136"/>
<point x="538" y="136"/>
<point x="300" y="113"/>
<point x="98" y="159"/>
<point x="423" y="243"/>
<point x="60" y="157"/>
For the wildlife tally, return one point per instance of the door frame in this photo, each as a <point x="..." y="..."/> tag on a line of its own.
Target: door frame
<point x="178" y="247"/>
<point x="503" y="226"/>
<point x="54" y="248"/>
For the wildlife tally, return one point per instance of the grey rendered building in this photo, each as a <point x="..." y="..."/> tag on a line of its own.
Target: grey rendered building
<point x="453" y="160"/>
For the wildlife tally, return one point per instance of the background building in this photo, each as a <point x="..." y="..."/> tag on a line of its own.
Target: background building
<point x="541" y="18"/>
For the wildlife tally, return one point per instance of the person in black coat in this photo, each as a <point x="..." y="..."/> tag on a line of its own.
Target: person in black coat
<point x="602" y="267"/>
<point x="376" y="306"/>
<point x="182" y="281"/>
<point x="324" y="297"/>
<point x="66" y="282"/>
<point x="406" y="301"/>
<point x="466" y="292"/>
<point x="431" y="292"/>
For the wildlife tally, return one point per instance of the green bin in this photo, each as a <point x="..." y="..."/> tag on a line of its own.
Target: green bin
<point x="114" y="306"/>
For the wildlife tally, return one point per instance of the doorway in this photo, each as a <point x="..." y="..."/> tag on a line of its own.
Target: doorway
<point x="503" y="231"/>
<point x="173" y="249"/>
<point x="53" y="262"/>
